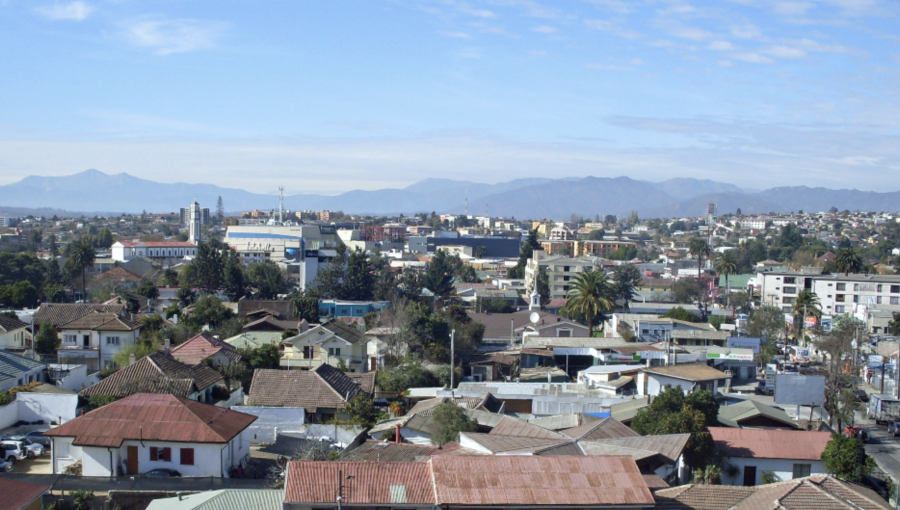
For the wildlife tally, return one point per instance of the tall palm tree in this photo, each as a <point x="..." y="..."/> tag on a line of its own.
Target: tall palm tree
<point x="726" y="265"/>
<point x="807" y="303"/>
<point x="590" y="296"/>
<point x="698" y="247"/>
<point x="81" y="257"/>
<point x="848" y="261"/>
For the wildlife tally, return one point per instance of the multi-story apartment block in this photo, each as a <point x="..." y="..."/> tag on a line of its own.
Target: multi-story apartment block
<point x="560" y="270"/>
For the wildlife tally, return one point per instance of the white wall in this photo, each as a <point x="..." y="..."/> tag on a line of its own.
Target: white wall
<point x="782" y="468"/>
<point x="64" y="453"/>
<point x="95" y="461"/>
<point x="78" y="379"/>
<point x="271" y="418"/>
<point x="50" y="407"/>
<point x="8" y="415"/>
<point x="342" y="435"/>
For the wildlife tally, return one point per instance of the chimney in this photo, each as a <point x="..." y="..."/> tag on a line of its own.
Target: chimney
<point x="131" y="359"/>
<point x="166" y="349"/>
<point x="179" y="496"/>
<point x="397" y="434"/>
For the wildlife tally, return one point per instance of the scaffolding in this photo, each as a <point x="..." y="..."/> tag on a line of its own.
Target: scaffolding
<point x="379" y="234"/>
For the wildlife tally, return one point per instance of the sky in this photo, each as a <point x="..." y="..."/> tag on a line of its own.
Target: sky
<point x="330" y="96"/>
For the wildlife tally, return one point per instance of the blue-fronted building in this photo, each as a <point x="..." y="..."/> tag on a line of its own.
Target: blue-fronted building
<point x="334" y="308"/>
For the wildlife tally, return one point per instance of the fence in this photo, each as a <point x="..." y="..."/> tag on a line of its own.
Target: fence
<point x="890" y="382"/>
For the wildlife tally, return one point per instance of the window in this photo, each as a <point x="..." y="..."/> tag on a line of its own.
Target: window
<point x="112" y="340"/>
<point x="895" y="289"/>
<point x="789" y="279"/>
<point x="841" y="286"/>
<point x="70" y="339"/>
<point x="855" y="287"/>
<point x="307" y="352"/>
<point x="895" y="300"/>
<point x="839" y="298"/>
<point x="790" y="290"/>
<point x="334" y="351"/>
<point x="838" y="308"/>
<point x="878" y="300"/>
<point x="789" y="300"/>
<point x="564" y="332"/>
<point x="801" y="470"/>
<point x="161" y="454"/>
<point x="879" y="287"/>
<point x="787" y="309"/>
<point x="187" y="456"/>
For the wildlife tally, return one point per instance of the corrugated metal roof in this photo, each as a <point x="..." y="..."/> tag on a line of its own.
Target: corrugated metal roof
<point x="373" y="483"/>
<point x="510" y="444"/>
<point x="225" y="499"/>
<point x="509" y="426"/>
<point x="689" y="371"/>
<point x="594" y="448"/>
<point x="17" y="494"/>
<point x="669" y="446"/>
<point x="732" y="415"/>
<point x="380" y="451"/>
<point x="603" y="429"/>
<point x="154" y="417"/>
<point x="538" y="481"/>
<point x="770" y="444"/>
<point x="12" y="366"/>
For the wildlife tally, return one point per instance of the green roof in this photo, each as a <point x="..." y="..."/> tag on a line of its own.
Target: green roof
<point x="732" y="415"/>
<point x="736" y="281"/>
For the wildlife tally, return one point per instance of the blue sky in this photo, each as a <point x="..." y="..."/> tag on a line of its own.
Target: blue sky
<point x="328" y="96"/>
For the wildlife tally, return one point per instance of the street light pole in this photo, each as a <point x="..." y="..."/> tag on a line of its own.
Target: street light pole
<point x="452" y="346"/>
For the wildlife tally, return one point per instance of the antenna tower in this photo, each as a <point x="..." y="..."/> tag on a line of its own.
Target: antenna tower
<point x="281" y="205"/>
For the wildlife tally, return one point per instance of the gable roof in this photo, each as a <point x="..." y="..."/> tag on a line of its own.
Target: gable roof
<point x="690" y="372"/>
<point x="8" y="324"/>
<point x="201" y="347"/>
<point x="58" y="314"/>
<point x="510" y="426"/>
<point x="12" y="366"/>
<point x="669" y="446"/>
<point x="814" y="492"/>
<point x="323" y="386"/>
<point x="604" y="429"/>
<point x="156" y="373"/>
<point x="496" y="325"/>
<point x="18" y="494"/>
<point x="770" y="443"/>
<point x="732" y="415"/>
<point x="117" y="274"/>
<point x="102" y="321"/>
<point x="374" y="483"/>
<point x="154" y="417"/>
<point x="381" y="451"/>
<point x="512" y="445"/>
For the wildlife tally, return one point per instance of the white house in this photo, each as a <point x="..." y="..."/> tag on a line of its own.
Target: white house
<point x="150" y="431"/>
<point x="687" y="376"/>
<point x="96" y="337"/>
<point x="17" y="370"/>
<point x="327" y="344"/>
<point x="785" y="454"/>
<point x="126" y="251"/>
<point x="12" y="333"/>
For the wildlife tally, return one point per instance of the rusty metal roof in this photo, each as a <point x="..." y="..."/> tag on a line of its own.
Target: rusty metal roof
<point x="669" y="446"/>
<point x="538" y="481"/>
<point x="382" y="451"/>
<point x="154" y="417"/>
<point x="373" y="483"/>
<point x="604" y="429"/>
<point x="17" y="495"/>
<point x="690" y="372"/>
<point x="509" y="426"/>
<point x="770" y="444"/>
<point x="511" y="444"/>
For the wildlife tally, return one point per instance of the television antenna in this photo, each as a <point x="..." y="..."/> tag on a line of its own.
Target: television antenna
<point x="534" y="317"/>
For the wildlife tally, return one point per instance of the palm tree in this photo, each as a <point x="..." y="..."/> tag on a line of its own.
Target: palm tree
<point x="698" y="247"/>
<point x="81" y="257"/>
<point x="806" y="304"/>
<point x="847" y="261"/>
<point x="726" y="265"/>
<point x="590" y="296"/>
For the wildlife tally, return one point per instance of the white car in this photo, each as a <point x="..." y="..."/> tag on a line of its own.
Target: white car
<point x="32" y="449"/>
<point x="13" y="451"/>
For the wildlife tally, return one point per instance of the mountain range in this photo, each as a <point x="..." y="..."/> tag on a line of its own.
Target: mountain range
<point x="94" y="192"/>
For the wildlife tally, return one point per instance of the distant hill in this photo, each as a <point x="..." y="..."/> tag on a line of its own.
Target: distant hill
<point x="93" y="190"/>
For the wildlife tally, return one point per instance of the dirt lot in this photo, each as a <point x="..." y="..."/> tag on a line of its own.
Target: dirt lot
<point x="38" y="466"/>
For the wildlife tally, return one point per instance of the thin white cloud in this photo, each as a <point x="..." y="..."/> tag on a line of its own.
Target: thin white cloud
<point x="721" y="46"/>
<point x="790" y="8"/>
<point x="607" y="26"/>
<point x="545" y="29"/>
<point x="73" y="11"/>
<point x="166" y="37"/>
<point x="617" y="6"/>
<point x="458" y="35"/>
<point x="755" y="58"/>
<point x="472" y="11"/>
<point x="690" y="33"/>
<point x="780" y="51"/>
<point x="747" y="31"/>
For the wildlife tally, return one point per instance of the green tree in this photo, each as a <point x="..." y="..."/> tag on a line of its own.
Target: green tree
<point x="679" y="313"/>
<point x="726" y="265"/>
<point x="807" y="303"/>
<point x="438" y="278"/>
<point x="148" y="289"/>
<point x="220" y="209"/>
<point x="104" y="239"/>
<point x="52" y="245"/>
<point x="698" y="247"/>
<point x="673" y="413"/>
<point x="543" y="286"/>
<point x="81" y="258"/>
<point x="526" y="252"/>
<point x="590" y="298"/>
<point x="206" y="271"/>
<point x="97" y="401"/>
<point x="687" y="290"/>
<point x="360" y="280"/>
<point x="847" y="261"/>
<point x="267" y="279"/>
<point x="466" y="274"/>
<point x="450" y="420"/>
<point x="479" y="252"/>
<point x="46" y="341"/>
<point x="361" y="409"/>
<point x="307" y="308"/>
<point x="233" y="282"/>
<point x="767" y="322"/>
<point x="894" y="324"/>
<point x="405" y="376"/>
<point x="208" y="310"/>
<point x="845" y="457"/>
<point x="19" y="295"/>
<point x="625" y="278"/>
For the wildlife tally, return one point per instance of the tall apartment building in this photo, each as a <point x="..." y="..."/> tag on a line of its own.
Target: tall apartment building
<point x="560" y="271"/>
<point x="185" y="216"/>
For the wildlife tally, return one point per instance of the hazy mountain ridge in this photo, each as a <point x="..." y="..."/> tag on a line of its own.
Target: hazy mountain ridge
<point x="93" y="190"/>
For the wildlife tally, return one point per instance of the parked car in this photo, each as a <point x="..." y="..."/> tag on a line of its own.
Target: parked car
<point x="5" y="466"/>
<point x="13" y="451"/>
<point x="32" y="449"/>
<point x="162" y="472"/>
<point x="857" y="431"/>
<point x="763" y="389"/>
<point x="35" y="436"/>
<point x="894" y="428"/>
<point x="861" y="395"/>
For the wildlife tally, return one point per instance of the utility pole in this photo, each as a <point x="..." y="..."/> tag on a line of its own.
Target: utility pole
<point x="340" y="494"/>
<point x="452" y="345"/>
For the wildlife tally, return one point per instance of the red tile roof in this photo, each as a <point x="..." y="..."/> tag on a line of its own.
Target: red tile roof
<point x="323" y="386"/>
<point x="770" y="444"/>
<point x="18" y="494"/>
<point x="62" y="313"/>
<point x="101" y="321"/>
<point x="154" y="417"/>
<point x="375" y="483"/>
<point x="156" y="373"/>
<point x="201" y="347"/>
<point x="538" y="481"/>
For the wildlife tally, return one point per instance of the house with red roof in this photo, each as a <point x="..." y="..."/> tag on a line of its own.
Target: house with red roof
<point x="204" y="347"/>
<point x="124" y="251"/>
<point x="147" y="431"/>
<point x="786" y="454"/>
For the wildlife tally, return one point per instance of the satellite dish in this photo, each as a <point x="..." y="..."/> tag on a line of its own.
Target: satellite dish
<point x="534" y="317"/>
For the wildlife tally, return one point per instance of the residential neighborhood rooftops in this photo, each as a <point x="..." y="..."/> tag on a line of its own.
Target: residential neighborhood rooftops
<point x="324" y="386"/>
<point x="373" y="483"/>
<point x="18" y="494"/>
<point x="224" y="499"/>
<point x="737" y="415"/>
<point x="12" y="365"/>
<point x="153" y="417"/>
<point x="383" y="451"/>
<point x="770" y="444"/>
<point x="689" y="372"/>
<point x="58" y="314"/>
<point x="201" y="347"/>
<point x="603" y="429"/>
<point x="156" y="373"/>
<point x="102" y="321"/>
<point x="8" y="324"/>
